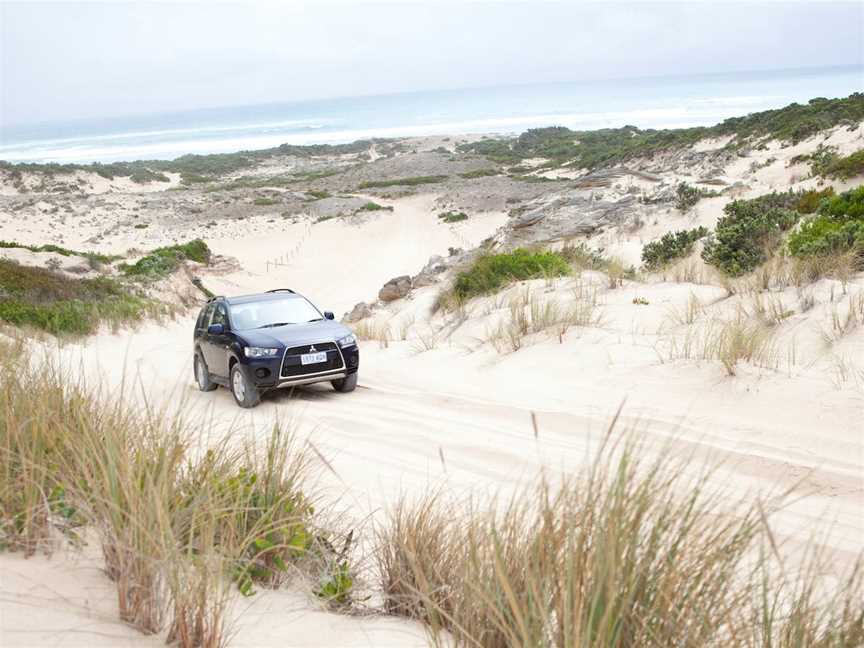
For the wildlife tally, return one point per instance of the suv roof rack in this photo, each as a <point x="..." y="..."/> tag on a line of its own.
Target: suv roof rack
<point x="281" y="290"/>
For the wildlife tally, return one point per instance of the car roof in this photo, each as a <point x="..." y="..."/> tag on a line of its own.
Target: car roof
<point x="261" y="297"/>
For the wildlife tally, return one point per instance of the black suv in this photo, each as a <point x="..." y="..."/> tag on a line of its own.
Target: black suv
<point x="253" y="343"/>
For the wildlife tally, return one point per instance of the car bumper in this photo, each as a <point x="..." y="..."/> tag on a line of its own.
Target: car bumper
<point x="265" y="373"/>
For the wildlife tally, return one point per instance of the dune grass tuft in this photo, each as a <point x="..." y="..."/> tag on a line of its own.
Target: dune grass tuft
<point x="629" y="553"/>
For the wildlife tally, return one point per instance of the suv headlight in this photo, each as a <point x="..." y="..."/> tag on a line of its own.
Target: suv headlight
<point x="348" y="340"/>
<point x="260" y="352"/>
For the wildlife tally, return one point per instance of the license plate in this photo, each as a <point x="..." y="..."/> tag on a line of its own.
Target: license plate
<point x="313" y="358"/>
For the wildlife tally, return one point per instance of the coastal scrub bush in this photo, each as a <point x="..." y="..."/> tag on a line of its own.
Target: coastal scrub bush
<point x="373" y="206"/>
<point x="843" y="168"/>
<point x="490" y="272"/>
<point x="810" y="200"/>
<point x="749" y="231"/>
<point x="264" y="201"/>
<point x="396" y="182"/>
<point x="165" y="260"/>
<point x="479" y="173"/>
<point x="56" y="249"/>
<point x="671" y="246"/>
<point x="837" y="229"/>
<point x="52" y="302"/>
<point x="452" y="216"/>
<point x="686" y="196"/>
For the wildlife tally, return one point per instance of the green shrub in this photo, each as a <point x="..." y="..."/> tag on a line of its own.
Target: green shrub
<point x="671" y="246"/>
<point x="396" y="182"/>
<point x="452" y="216"/>
<point x="373" y="206"/>
<point x="749" y="231"/>
<point x="491" y="272"/>
<point x="479" y="173"/>
<point x="686" y="196"/>
<point x="316" y="194"/>
<point x="143" y="175"/>
<point x="843" y="167"/>
<point x="193" y="178"/>
<point x="38" y="297"/>
<point x="93" y="257"/>
<point x="810" y="200"/>
<point x="838" y="228"/>
<point x="264" y="201"/>
<point x="165" y="260"/>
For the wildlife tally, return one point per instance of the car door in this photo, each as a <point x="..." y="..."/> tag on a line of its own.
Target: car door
<point x="216" y="346"/>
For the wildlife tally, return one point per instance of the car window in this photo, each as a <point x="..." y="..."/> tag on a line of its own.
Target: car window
<point x="203" y="316"/>
<point x="291" y="310"/>
<point x="220" y="316"/>
<point x="206" y="316"/>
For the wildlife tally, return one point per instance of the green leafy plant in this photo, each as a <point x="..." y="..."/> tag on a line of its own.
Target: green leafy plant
<point x="749" y="231"/>
<point x="52" y="302"/>
<point x="165" y="260"/>
<point x="409" y="182"/>
<point x="671" y="246"/>
<point x="337" y="589"/>
<point x="452" y="216"/>
<point x="837" y="229"/>
<point x="373" y="206"/>
<point x="490" y="272"/>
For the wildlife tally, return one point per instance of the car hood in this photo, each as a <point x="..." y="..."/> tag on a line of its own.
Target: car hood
<point x="295" y="334"/>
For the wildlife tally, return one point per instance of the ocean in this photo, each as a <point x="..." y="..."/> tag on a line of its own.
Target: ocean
<point x="659" y="102"/>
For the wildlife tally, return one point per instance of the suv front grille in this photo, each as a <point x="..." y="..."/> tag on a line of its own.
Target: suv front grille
<point x="292" y="368"/>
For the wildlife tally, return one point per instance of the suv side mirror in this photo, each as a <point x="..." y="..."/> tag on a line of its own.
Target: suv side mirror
<point x="216" y="329"/>
<point x="329" y="315"/>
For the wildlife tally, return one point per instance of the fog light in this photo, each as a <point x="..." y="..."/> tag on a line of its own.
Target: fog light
<point x="262" y="372"/>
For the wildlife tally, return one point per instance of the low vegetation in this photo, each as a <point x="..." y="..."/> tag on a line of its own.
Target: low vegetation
<point x="373" y="206"/>
<point x="687" y="196"/>
<point x="491" y="272"/>
<point x="163" y="261"/>
<point x="452" y="216"/>
<point x="407" y="182"/>
<point x="93" y="257"/>
<point x="837" y="229"/>
<point x="49" y="301"/>
<point x="842" y="168"/>
<point x="749" y="231"/>
<point x="671" y="246"/>
<point x="629" y="553"/>
<point x="529" y="314"/>
<point x="176" y="527"/>
<point x="479" y="173"/>
<point x="265" y="201"/>
<point x="604" y="147"/>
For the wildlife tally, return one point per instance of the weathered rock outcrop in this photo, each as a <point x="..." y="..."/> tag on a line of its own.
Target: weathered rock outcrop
<point x="396" y="288"/>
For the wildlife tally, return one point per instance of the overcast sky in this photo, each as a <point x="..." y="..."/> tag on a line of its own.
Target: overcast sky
<point x="69" y="60"/>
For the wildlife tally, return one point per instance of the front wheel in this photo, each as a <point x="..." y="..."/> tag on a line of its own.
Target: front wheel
<point x="245" y="393"/>
<point x="202" y="374"/>
<point x="346" y="384"/>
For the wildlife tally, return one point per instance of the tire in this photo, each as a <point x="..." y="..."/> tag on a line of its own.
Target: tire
<point x="346" y="384"/>
<point x="202" y="374"/>
<point x="245" y="394"/>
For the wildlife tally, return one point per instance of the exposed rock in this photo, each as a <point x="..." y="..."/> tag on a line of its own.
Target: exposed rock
<point x="396" y="288"/>
<point x="361" y="310"/>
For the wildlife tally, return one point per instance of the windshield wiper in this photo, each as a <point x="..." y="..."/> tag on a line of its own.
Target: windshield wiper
<point x="317" y="319"/>
<point x="275" y="324"/>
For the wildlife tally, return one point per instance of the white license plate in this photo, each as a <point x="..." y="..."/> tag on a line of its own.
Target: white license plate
<point x="313" y="358"/>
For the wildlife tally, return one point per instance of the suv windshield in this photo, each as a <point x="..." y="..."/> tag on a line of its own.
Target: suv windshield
<point x="273" y="312"/>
